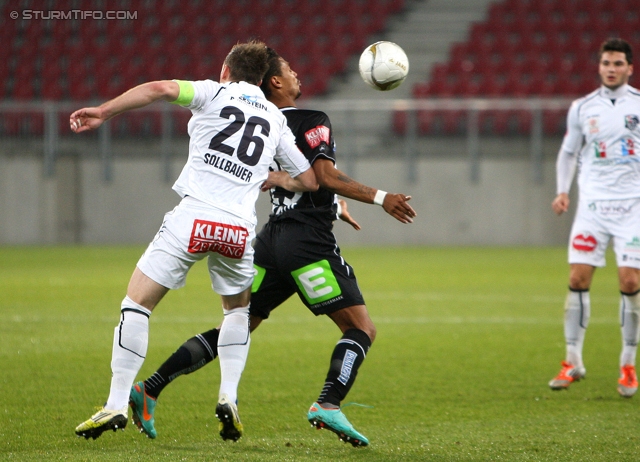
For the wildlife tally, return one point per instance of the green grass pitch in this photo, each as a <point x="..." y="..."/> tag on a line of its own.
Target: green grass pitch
<point x="467" y="340"/>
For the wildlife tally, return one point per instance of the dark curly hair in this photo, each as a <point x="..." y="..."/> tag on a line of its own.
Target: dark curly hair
<point x="617" y="44"/>
<point x="274" y="68"/>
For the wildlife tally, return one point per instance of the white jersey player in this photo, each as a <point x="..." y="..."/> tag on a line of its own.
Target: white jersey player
<point x="602" y="140"/>
<point x="235" y="133"/>
<point x="225" y="170"/>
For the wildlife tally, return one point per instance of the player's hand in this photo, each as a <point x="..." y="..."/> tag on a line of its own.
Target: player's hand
<point x="85" y="119"/>
<point x="346" y="217"/>
<point x="274" y="179"/>
<point x="560" y="204"/>
<point x="397" y="206"/>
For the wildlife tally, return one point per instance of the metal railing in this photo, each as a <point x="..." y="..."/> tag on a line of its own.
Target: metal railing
<point x="54" y="116"/>
<point x="474" y="108"/>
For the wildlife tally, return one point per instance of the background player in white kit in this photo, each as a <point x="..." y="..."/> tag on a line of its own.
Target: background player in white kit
<point x="235" y="133"/>
<point x="603" y="127"/>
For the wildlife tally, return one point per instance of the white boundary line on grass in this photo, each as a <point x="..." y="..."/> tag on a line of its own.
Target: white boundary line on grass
<point x="498" y="298"/>
<point x="275" y="319"/>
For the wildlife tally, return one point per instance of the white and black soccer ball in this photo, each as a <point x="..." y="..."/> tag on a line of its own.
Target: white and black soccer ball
<point x="384" y="66"/>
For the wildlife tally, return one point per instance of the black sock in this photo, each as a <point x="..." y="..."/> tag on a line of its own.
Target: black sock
<point x="191" y="356"/>
<point x="347" y="357"/>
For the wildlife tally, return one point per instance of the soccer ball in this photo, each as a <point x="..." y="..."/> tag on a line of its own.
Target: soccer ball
<point x="384" y="66"/>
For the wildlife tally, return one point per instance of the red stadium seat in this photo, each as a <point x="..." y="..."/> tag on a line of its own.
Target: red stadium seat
<point x="5" y="70"/>
<point x="52" y="90"/>
<point x="494" y="122"/>
<point x="554" y="122"/>
<point x="527" y="48"/>
<point x="22" y="123"/>
<point x="468" y="86"/>
<point x="444" y="88"/>
<point x="23" y="90"/>
<point x="587" y="85"/>
<point x="456" y="122"/>
<point x="102" y="56"/>
<point x="519" y="122"/>
<point x="180" y="120"/>
<point x="83" y="90"/>
<point x="497" y="13"/>
<point x="399" y="122"/>
<point x="494" y="85"/>
<point x="427" y="122"/>
<point x="569" y="85"/>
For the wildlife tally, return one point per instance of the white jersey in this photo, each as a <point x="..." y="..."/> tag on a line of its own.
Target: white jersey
<point x="235" y="133"/>
<point x="605" y="127"/>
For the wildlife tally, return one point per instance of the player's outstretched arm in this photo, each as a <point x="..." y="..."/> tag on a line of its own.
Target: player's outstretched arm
<point x="340" y="183"/>
<point x="306" y="181"/>
<point x="90" y="118"/>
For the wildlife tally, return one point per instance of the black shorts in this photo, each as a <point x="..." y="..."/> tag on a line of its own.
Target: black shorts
<point x="294" y="257"/>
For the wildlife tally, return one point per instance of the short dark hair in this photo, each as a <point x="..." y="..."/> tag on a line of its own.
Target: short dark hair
<point x="617" y="44"/>
<point x="274" y="68"/>
<point x="248" y="61"/>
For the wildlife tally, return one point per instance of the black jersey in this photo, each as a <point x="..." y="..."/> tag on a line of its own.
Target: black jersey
<point x="314" y="138"/>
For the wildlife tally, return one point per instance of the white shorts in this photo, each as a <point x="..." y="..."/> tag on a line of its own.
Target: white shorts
<point x="598" y="222"/>
<point x="192" y="231"/>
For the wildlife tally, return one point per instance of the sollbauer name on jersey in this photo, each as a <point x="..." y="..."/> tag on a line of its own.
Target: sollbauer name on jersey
<point x="227" y="166"/>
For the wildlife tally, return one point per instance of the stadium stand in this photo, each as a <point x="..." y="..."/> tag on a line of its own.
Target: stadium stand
<point x="524" y="48"/>
<point x="93" y="59"/>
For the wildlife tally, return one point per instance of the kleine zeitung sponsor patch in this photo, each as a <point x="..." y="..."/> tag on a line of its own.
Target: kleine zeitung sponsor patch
<point x="210" y="236"/>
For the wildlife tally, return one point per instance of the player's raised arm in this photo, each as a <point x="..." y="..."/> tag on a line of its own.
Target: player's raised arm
<point x="90" y="118"/>
<point x="340" y="183"/>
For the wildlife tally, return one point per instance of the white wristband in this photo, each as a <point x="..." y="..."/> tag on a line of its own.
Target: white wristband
<point x="379" y="198"/>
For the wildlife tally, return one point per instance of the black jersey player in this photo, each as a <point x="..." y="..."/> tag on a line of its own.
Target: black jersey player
<point x="296" y="252"/>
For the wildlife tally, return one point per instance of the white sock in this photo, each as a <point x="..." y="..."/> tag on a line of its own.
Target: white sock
<point x="130" y="340"/>
<point x="577" y="311"/>
<point x="233" y="348"/>
<point x="629" y="322"/>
